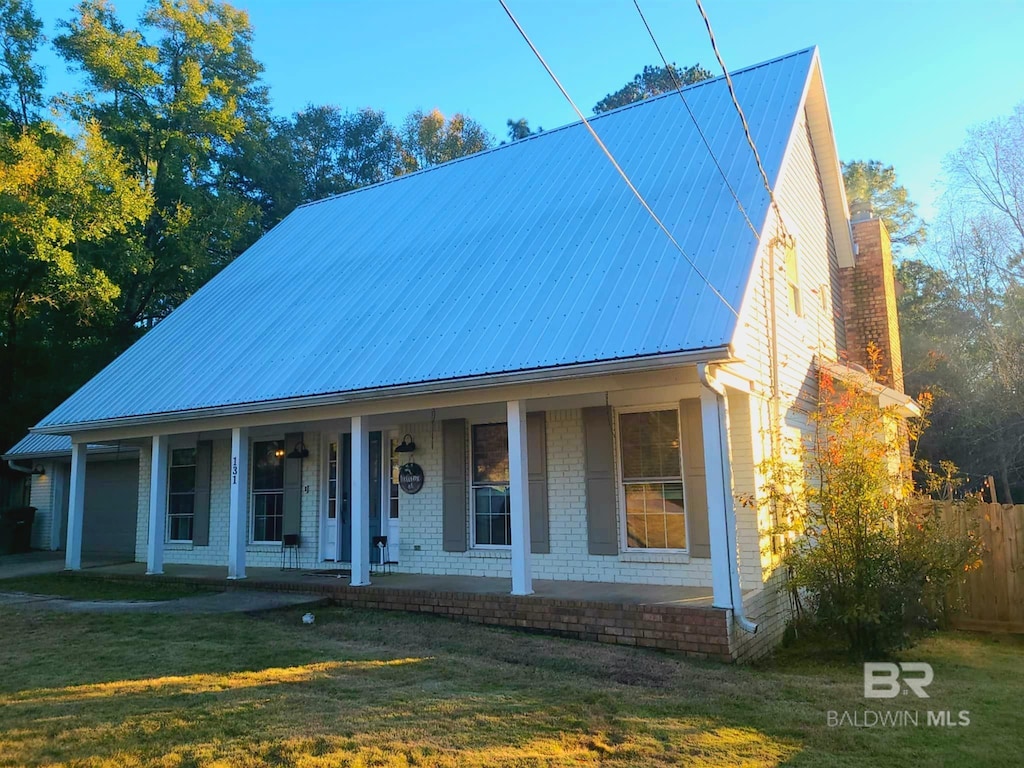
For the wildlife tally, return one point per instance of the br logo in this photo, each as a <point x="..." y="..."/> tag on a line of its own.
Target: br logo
<point x="882" y="679"/>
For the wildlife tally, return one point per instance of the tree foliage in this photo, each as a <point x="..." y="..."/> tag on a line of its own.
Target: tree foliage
<point x="872" y="182"/>
<point x="653" y="81"/>
<point x="429" y="138"/>
<point x="962" y="312"/>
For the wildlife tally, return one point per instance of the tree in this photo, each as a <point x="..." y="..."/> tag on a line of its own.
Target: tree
<point x="175" y="96"/>
<point x="337" y="152"/>
<point x="428" y="138"/>
<point x="872" y="182"/>
<point x="652" y="82"/>
<point x="21" y="80"/>
<point x="962" y="316"/>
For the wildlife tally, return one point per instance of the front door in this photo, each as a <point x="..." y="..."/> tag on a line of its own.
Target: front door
<point x="337" y="539"/>
<point x="337" y="523"/>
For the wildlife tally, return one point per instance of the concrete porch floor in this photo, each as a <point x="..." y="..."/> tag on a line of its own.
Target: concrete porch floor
<point x="585" y="591"/>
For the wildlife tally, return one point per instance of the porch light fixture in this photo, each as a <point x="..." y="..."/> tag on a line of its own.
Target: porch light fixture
<point x="407" y="446"/>
<point x="38" y="469"/>
<point x="300" y="451"/>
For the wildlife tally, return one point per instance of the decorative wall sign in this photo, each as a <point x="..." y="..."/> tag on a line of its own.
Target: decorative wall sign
<point x="410" y="478"/>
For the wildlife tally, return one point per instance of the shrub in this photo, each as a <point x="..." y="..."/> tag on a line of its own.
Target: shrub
<point x="870" y="554"/>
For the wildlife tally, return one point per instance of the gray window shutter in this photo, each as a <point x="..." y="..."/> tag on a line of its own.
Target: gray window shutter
<point x="453" y="483"/>
<point x="292" y="487"/>
<point x="599" y="459"/>
<point x="201" y="519"/>
<point x="692" y="435"/>
<point x="537" y="458"/>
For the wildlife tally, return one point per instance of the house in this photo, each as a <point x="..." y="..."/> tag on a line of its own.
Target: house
<point x="505" y="367"/>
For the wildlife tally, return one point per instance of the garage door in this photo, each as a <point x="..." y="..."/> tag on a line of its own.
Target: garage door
<point x="111" y="507"/>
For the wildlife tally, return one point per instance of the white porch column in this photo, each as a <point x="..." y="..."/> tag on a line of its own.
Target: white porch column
<point x="238" y="514"/>
<point x="360" y="501"/>
<point x="716" y="459"/>
<point x="157" y="506"/>
<point x="519" y="498"/>
<point x="76" y="508"/>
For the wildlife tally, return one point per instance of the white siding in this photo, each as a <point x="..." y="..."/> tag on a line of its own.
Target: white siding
<point x="799" y="339"/>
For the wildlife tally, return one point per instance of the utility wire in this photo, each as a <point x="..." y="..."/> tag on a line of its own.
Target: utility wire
<point x="614" y="162"/>
<point x="679" y="89"/>
<point x="743" y="120"/>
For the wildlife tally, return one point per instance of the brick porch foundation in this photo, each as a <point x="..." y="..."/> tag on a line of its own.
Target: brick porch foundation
<point x="696" y="632"/>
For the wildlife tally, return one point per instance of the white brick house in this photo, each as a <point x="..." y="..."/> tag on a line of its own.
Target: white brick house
<point x="587" y="401"/>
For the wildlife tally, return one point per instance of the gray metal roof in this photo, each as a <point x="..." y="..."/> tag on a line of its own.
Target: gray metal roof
<point x="532" y="255"/>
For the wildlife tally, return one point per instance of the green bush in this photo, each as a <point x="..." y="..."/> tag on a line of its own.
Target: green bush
<point x="869" y="556"/>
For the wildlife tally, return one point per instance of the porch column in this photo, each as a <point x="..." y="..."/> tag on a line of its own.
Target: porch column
<point x="519" y="498"/>
<point x="716" y="458"/>
<point x="360" y="501"/>
<point x="238" y="510"/>
<point x="157" y="506"/>
<point x="76" y="508"/>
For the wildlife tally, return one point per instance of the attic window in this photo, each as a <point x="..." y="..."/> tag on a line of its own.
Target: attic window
<point x="796" y="305"/>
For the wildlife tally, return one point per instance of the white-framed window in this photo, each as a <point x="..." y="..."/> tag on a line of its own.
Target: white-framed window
<point x="796" y="304"/>
<point x="267" y="490"/>
<point x="651" y="479"/>
<point x="181" y="494"/>
<point x="490" y="509"/>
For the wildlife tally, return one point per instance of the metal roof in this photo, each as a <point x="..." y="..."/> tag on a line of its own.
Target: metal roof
<point x="34" y="446"/>
<point x="532" y="255"/>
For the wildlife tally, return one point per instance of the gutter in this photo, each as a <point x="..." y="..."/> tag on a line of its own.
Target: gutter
<point x="707" y="378"/>
<point x="16" y="468"/>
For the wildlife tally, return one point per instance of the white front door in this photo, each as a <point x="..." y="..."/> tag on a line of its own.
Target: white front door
<point x="331" y="519"/>
<point x="391" y="526"/>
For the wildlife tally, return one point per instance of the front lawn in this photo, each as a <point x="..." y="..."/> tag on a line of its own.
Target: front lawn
<point x="362" y="688"/>
<point x="75" y="586"/>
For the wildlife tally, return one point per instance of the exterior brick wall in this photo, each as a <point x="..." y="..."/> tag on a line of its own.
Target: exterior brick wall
<point x="770" y="609"/>
<point x="869" y="302"/>
<point x="422" y="550"/>
<point x="257" y="555"/>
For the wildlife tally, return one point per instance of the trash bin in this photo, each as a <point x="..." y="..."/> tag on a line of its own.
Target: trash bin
<point x="16" y="530"/>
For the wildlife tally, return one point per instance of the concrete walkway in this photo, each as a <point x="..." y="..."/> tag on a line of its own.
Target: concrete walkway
<point x="236" y="601"/>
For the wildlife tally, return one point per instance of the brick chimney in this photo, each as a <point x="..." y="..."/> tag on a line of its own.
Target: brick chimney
<point x="869" y="297"/>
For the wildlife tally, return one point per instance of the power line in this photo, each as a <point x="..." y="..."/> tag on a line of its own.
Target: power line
<point x="679" y="89"/>
<point x="614" y="162"/>
<point x="743" y="119"/>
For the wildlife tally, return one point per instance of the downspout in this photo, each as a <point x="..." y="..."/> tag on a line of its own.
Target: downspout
<point x="728" y="511"/>
<point x="16" y="468"/>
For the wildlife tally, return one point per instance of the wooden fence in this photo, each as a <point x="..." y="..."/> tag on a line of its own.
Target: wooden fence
<point x="991" y="598"/>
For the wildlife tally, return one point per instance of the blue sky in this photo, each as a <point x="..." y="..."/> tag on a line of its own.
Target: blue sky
<point x="905" y="79"/>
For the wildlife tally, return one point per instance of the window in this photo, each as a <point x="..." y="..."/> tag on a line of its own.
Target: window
<point x="793" y="280"/>
<point x="492" y="516"/>
<point x="181" y="503"/>
<point x="652" y="480"/>
<point x="393" y="493"/>
<point x="268" y="490"/>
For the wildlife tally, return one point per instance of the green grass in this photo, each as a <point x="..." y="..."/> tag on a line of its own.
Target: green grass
<point x="363" y="688"/>
<point x="79" y="587"/>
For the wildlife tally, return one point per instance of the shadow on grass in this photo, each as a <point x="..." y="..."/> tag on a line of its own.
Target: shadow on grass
<point x="379" y="689"/>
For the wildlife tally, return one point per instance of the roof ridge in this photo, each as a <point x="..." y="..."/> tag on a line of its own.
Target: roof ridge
<point x="632" y="105"/>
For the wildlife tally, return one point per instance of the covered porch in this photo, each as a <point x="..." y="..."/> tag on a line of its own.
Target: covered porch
<point x="564" y="528"/>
